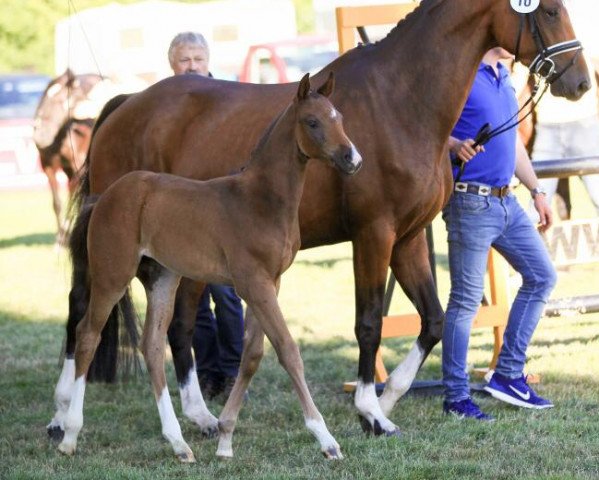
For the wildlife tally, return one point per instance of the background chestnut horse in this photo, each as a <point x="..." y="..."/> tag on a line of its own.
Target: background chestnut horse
<point x="61" y="140"/>
<point x="402" y="97"/>
<point x="241" y="230"/>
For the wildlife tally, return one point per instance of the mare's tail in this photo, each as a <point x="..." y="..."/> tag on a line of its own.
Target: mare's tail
<point x="108" y="356"/>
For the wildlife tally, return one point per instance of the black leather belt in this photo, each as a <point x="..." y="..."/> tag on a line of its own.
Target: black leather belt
<point x="482" y="190"/>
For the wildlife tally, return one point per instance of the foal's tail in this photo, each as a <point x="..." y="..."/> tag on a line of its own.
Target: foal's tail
<point x="108" y="356"/>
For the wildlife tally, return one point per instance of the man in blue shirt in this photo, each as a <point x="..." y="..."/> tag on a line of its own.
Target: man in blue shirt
<point x="482" y="213"/>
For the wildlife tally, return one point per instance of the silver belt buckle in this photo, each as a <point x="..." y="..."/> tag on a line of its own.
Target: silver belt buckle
<point x="484" y="191"/>
<point x="461" y="187"/>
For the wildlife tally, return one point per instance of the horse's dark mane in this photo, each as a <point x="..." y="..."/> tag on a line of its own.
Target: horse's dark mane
<point x="421" y="9"/>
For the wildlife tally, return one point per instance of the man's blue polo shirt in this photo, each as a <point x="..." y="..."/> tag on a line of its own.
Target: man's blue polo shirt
<point x="493" y="100"/>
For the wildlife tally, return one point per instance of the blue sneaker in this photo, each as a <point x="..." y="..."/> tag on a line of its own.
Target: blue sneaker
<point x="466" y="409"/>
<point x="515" y="391"/>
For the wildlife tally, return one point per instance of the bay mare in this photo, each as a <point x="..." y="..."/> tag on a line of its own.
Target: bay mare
<point x="242" y="230"/>
<point x="401" y="97"/>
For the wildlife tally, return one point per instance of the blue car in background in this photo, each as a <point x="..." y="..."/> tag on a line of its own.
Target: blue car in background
<point x="19" y="96"/>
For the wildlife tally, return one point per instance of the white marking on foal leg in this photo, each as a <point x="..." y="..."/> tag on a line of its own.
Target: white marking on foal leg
<point x="62" y="394"/>
<point x="402" y="377"/>
<point x="328" y="445"/>
<point x="194" y="407"/>
<point x="171" y="430"/>
<point x="74" y="418"/>
<point x="367" y="404"/>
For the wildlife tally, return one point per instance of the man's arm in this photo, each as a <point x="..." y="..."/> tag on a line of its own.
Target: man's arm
<point x="526" y="174"/>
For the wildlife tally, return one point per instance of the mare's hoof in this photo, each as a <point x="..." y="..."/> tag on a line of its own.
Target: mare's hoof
<point x="365" y="424"/>
<point x="376" y="429"/>
<point x="393" y="433"/>
<point x="67" y="449"/>
<point x="210" y="432"/>
<point x="186" y="457"/>
<point x="333" y="453"/>
<point x="55" y="433"/>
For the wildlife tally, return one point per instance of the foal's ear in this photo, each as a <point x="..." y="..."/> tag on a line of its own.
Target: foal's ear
<point x="304" y="87"/>
<point x="327" y="88"/>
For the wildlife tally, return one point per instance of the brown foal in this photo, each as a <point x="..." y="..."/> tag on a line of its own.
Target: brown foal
<point x="242" y="230"/>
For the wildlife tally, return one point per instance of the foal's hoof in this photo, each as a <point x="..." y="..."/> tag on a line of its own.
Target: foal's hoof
<point x="55" y="433"/>
<point x="377" y="430"/>
<point x="186" y="457"/>
<point x="333" y="453"/>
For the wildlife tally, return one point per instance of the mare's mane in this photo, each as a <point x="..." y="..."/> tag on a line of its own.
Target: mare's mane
<point x="424" y="7"/>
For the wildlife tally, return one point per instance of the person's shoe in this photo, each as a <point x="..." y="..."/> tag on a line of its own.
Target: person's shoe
<point x="515" y="391"/>
<point x="466" y="409"/>
<point x="210" y="387"/>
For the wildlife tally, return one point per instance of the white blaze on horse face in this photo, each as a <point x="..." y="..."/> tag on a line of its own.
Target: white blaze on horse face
<point x="402" y="377"/>
<point x="333" y="113"/>
<point x="367" y="404"/>
<point x="53" y="90"/>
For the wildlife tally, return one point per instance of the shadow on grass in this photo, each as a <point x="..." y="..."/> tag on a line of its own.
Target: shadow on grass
<point x="31" y="240"/>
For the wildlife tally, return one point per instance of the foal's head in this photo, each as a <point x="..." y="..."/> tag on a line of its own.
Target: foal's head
<point x="319" y="128"/>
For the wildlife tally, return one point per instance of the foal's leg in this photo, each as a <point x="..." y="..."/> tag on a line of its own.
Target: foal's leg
<point x="253" y="350"/>
<point x="180" y="333"/>
<point x="88" y="336"/>
<point x="411" y="266"/>
<point x="372" y="250"/>
<point x="261" y="297"/>
<point x="161" y="298"/>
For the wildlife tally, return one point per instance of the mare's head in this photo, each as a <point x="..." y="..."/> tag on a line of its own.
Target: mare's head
<point x="540" y="34"/>
<point x="319" y="128"/>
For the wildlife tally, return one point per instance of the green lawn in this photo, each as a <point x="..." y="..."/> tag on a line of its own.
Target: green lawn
<point x="121" y="436"/>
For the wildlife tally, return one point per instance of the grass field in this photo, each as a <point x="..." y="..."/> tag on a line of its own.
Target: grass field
<point x="121" y="437"/>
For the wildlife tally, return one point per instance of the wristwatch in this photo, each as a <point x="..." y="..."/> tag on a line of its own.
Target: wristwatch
<point x="536" y="191"/>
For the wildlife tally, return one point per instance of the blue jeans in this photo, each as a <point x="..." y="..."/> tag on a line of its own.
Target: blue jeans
<point x="474" y="224"/>
<point x="218" y="336"/>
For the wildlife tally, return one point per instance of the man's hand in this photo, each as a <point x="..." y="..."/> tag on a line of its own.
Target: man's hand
<point x="463" y="149"/>
<point x="544" y="210"/>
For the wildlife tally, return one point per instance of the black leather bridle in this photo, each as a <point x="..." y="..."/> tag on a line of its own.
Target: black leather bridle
<point x="543" y="64"/>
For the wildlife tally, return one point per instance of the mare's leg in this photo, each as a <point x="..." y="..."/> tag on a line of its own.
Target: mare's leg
<point x="161" y="298"/>
<point x="180" y="334"/>
<point x="372" y="250"/>
<point x="260" y="295"/>
<point x="78" y="302"/>
<point x="253" y="350"/>
<point x="411" y="266"/>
